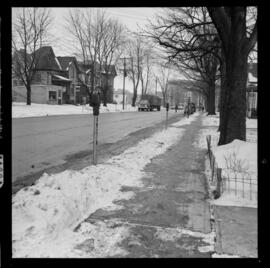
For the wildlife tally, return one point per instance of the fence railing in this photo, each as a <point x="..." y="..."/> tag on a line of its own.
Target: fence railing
<point x="245" y="187"/>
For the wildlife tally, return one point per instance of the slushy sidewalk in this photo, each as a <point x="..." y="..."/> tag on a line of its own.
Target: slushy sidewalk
<point x="170" y="214"/>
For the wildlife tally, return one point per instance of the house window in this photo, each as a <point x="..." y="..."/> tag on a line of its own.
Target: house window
<point x="52" y="95"/>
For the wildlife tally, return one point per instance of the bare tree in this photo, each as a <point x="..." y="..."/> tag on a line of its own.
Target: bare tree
<point x="135" y="52"/>
<point x="30" y="27"/>
<point x="87" y="27"/>
<point x="238" y="37"/>
<point x="147" y="68"/>
<point x="163" y="79"/>
<point x="111" y="49"/>
<point x="190" y="41"/>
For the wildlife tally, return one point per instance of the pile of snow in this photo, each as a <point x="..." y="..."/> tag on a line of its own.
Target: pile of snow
<point x="238" y="156"/>
<point x="22" y="110"/>
<point x="238" y="161"/>
<point x="45" y="214"/>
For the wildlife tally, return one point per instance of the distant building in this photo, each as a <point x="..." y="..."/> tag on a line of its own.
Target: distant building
<point x="179" y="91"/>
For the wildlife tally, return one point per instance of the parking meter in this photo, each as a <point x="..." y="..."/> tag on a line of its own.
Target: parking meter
<point x="95" y="101"/>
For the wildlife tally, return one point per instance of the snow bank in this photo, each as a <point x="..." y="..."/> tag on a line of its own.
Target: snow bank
<point x="23" y="110"/>
<point x="44" y="215"/>
<point x="238" y="154"/>
<point x="238" y="161"/>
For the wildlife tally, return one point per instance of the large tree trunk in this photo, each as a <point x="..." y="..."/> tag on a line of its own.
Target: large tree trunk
<point x="231" y="26"/>
<point x="28" y="94"/>
<point x="223" y="101"/>
<point x="211" y="109"/>
<point x="235" y="96"/>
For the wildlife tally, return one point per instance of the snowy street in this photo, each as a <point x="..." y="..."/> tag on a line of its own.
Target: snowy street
<point x="43" y="142"/>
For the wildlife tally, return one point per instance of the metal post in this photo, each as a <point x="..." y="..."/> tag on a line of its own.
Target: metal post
<point x="167" y="119"/>
<point x="219" y="181"/>
<point x="95" y="141"/>
<point x="156" y="85"/>
<point x="124" y="83"/>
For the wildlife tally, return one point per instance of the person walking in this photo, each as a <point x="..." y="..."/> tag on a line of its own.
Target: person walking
<point x="176" y="108"/>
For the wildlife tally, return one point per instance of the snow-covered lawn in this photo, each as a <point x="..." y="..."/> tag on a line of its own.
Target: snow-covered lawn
<point x="45" y="214"/>
<point x="238" y="161"/>
<point x="22" y="110"/>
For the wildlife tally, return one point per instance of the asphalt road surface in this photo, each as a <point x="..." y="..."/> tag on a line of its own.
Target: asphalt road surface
<point x="41" y="142"/>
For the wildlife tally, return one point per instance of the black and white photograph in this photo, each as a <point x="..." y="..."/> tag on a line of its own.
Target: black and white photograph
<point x="134" y="132"/>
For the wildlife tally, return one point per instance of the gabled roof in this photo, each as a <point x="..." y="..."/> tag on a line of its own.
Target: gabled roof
<point x="46" y="60"/>
<point x="65" y="62"/>
<point x="20" y="55"/>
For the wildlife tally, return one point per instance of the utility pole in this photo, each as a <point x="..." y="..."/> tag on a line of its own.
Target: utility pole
<point x="156" y="86"/>
<point x="124" y="83"/>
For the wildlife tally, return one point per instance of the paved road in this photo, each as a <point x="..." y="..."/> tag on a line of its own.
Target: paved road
<point x="41" y="142"/>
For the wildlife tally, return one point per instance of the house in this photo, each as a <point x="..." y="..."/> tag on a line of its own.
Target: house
<point x="252" y="90"/>
<point x="49" y="83"/>
<point x="71" y="70"/>
<point x="105" y="74"/>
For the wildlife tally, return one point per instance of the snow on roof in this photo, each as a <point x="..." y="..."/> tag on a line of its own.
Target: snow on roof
<point x="61" y="77"/>
<point x="58" y="63"/>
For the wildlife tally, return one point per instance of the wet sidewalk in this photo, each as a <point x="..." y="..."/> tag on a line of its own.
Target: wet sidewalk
<point x="237" y="231"/>
<point x="169" y="215"/>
